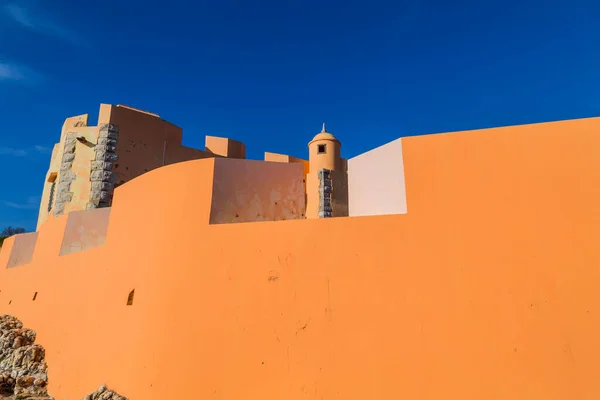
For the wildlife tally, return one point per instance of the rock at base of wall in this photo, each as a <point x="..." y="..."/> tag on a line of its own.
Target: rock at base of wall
<point x="23" y="370"/>
<point x="104" y="393"/>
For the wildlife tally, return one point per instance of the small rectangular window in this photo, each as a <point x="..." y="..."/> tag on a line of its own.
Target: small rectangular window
<point x="321" y="149"/>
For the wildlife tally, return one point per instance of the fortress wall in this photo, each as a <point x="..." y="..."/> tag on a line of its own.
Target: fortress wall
<point x="143" y="139"/>
<point x="376" y="182"/>
<point x="486" y="289"/>
<point x="247" y="191"/>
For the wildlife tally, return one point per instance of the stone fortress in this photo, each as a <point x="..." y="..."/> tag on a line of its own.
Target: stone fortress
<point x="89" y="162"/>
<point x="163" y="272"/>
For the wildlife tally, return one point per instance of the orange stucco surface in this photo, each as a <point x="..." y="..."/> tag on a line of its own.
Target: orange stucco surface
<point x="486" y="289"/>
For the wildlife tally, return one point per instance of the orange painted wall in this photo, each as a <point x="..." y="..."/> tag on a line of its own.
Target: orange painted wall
<point x="486" y="289"/>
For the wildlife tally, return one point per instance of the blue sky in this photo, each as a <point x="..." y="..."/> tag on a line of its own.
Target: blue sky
<point x="270" y="72"/>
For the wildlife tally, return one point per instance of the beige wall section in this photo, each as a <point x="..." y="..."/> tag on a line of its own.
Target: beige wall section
<point x="70" y="124"/>
<point x="73" y="122"/>
<point x="248" y="190"/>
<point x="225" y="147"/>
<point x="376" y="182"/>
<point x="22" y="249"/>
<point x="51" y="178"/>
<point x="85" y="230"/>
<point x="84" y="155"/>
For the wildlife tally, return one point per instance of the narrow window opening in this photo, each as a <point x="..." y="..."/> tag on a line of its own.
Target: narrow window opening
<point x="130" y="297"/>
<point x="34" y="296"/>
<point x="51" y="199"/>
<point x="321" y="149"/>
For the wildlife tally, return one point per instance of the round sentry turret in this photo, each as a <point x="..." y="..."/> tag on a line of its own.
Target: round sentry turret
<point x="324" y="152"/>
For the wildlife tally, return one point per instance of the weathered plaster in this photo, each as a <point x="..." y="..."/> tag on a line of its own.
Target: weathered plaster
<point x="22" y="249"/>
<point x="85" y="230"/>
<point x="248" y="190"/>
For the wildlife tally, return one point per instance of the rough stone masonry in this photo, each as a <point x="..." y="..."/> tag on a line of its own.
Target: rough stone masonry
<point x="66" y="175"/>
<point x="325" y="188"/>
<point x="23" y="369"/>
<point x="102" y="176"/>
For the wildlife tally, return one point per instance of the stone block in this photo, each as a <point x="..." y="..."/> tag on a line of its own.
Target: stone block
<point x="104" y="141"/>
<point x="110" y="157"/>
<point x="63" y="187"/>
<point x="105" y="196"/>
<point x="71" y="138"/>
<point x="104" y="148"/>
<point x="67" y="157"/>
<point x="99" y="185"/>
<point x="108" y="134"/>
<point x="108" y="127"/>
<point x="69" y="148"/>
<point x="66" y="177"/>
<point x="101" y="166"/>
<point x="96" y="175"/>
<point x="64" y="197"/>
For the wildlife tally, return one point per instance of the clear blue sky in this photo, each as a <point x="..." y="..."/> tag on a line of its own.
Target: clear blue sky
<point x="269" y="72"/>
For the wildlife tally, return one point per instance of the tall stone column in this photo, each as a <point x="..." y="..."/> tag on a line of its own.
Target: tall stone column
<point x="325" y="188"/>
<point x="102" y="176"/>
<point x="66" y="175"/>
